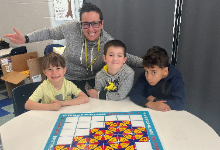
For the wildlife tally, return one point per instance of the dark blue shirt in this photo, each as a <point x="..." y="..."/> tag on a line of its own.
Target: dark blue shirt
<point x="170" y="89"/>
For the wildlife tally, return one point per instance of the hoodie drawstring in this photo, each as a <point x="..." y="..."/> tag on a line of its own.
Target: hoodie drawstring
<point x="91" y="60"/>
<point x="81" y="54"/>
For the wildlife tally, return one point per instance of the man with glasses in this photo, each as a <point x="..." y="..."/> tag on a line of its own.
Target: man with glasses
<point x="85" y="42"/>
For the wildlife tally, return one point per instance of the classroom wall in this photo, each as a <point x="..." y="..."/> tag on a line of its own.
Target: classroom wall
<point x="26" y="16"/>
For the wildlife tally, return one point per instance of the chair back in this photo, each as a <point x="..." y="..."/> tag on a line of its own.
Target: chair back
<point x="49" y="48"/>
<point x="21" y="94"/>
<point x="18" y="50"/>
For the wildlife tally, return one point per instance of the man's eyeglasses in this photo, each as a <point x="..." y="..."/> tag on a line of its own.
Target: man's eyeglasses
<point x="95" y="24"/>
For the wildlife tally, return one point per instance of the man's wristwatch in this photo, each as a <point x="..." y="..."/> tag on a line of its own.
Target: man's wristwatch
<point x="27" y="38"/>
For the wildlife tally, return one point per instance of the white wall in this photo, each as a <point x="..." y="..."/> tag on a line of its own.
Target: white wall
<point x="27" y="16"/>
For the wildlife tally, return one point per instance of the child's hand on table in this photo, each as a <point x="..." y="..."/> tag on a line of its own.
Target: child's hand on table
<point x="158" y="105"/>
<point x="92" y="93"/>
<point x="55" y="106"/>
<point x="151" y="98"/>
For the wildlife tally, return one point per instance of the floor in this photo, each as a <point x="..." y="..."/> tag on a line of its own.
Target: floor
<point x="6" y="105"/>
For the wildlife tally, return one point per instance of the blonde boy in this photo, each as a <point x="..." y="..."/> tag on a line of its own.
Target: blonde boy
<point x="56" y="91"/>
<point x="115" y="80"/>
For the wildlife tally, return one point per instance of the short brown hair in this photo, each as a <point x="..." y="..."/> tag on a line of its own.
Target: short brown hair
<point x="88" y="7"/>
<point x="156" y="56"/>
<point x="115" y="43"/>
<point x="53" y="59"/>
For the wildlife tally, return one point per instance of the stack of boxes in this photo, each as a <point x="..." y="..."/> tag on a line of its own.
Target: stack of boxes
<point x="12" y="67"/>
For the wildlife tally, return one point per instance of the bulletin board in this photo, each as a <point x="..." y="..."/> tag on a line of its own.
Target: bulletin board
<point x="64" y="9"/>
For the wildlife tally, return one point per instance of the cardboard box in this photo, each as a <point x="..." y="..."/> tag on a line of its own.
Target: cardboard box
<point x="36" y="73"/>
<point x="11" y="66"/>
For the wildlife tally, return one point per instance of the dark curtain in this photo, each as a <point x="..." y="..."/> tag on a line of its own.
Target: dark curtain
<point x="140" y="24"/>
<point x="199" y="57"/>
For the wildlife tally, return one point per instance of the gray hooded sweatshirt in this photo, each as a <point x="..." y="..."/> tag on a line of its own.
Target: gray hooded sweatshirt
<point x="114" y="87"/>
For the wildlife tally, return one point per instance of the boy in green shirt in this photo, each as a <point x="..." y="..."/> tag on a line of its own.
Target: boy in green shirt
<point x="56" y="91"/>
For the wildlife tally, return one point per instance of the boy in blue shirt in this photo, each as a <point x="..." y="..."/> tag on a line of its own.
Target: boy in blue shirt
<point x="161" y="86"/>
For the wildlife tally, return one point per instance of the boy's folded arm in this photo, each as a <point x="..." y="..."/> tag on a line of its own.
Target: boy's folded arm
<point x="159" y="106"/>
<point x="144" y="102"/>
<point x="137" y="98"/>
<point x="177" y="97"/>
<point x="31" y="105"/>
<point x="176" y="103"/>
<point x="137" y="91"/>
<point x="151" y="98"/>
<point x="82" y="98"/>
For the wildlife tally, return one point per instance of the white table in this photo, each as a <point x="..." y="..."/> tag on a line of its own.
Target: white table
<point x="5" y="52"/>
<point x="178" y="130"/>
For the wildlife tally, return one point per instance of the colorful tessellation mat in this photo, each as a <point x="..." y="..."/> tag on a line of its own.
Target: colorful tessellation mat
<point x="104" y="131"/>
